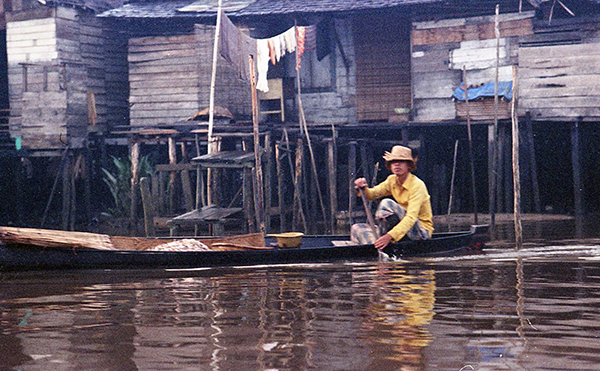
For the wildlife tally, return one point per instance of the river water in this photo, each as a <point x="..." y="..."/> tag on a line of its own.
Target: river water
<point x="496" y="309"/>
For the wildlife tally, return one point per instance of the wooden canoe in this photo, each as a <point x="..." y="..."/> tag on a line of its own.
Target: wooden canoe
<point x="31" y="250"/>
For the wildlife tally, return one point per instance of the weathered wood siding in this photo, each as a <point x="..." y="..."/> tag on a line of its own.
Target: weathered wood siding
<point x="382" y="49"/>
<point x="338" y="105"/>
<point x="559" y="82"/>
<point x="54" y="62"/>
<point x="230" y="91"/>
<point x="441" y="49"/>
<point x="163" y="79"/>
<point x="37" y="98"/>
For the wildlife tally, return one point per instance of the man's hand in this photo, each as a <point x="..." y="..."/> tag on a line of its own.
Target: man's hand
<point x="383" y="241"/>
<point x="360" y="183"/>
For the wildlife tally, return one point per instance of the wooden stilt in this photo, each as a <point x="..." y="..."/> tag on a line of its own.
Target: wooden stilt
<point x="87" y="179"/>
<point x="73" y="198"/>
<point x="492" y="140"/>
<point x="295" y="181"/>
<point x="453" y="177"/>
<point x="364" y="162"/>
<point x="66" y="191"/>
<point x="247" y="199"/>
<point x="332" y="177"/>
<point x="172" y="161"/>
<point x="405" y="139"/>
<point x="258" y="185"/>
<point x="470" y="139"/>
<point x="59" y="173"/>
<point x="351" y="178"/>
<point x="515" y="164"/>
<point x="280" y="187"/>
<point x="532" y="163"/>
<point x="268" y="175"/>
<point x="492" y="174"/>
<point x="576" y="162"/>
<point x="19" y="191"/>
<point x="148" y="206"/>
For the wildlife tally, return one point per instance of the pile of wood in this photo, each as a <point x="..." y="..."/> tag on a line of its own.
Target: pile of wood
<point x="12" y="236"/>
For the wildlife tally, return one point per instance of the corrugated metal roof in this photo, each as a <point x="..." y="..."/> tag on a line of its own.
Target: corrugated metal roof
<point x="248" y="8"/>
<point x="95" y="5"/>
<point x="207" y="8"/>
<point x="264" y="7"/>
<point x="151" y="9"/>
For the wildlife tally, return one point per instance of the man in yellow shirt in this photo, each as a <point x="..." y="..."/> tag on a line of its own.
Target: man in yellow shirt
<point x="411" y="203"/>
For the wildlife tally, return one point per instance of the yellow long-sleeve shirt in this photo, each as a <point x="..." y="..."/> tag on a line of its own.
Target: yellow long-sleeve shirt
<point x="413" y="196"/>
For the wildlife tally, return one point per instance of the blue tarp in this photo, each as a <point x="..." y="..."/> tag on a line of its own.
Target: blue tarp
<point x="485" y="90"/>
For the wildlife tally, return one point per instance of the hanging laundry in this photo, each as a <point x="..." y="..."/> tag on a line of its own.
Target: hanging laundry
<point x="300" y="36"/>
<point x="235" y="46"/>
<point x="306" y="40"/>
<point x="271" y="51"/>
<point x="324" y="30"/>
<point x="276" y="47"/>
<point x="310" y="38"/>
<point x="290" y="40"/>
<point x="262" y="64"/>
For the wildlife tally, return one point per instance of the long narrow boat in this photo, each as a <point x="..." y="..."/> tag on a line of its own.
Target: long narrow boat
<point x="32" y="249"/>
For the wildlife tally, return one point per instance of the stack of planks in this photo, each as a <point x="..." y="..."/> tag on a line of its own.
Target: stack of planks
<point x="22" y="237"/>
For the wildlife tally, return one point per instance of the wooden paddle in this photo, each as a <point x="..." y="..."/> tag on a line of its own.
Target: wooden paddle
<point x="368" y="212"/>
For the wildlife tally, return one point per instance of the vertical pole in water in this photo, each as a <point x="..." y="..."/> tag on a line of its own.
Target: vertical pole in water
<point x="576" y="158"/>
<point x="515" y="163"/>
<point x="492" y="140"/>
<point x="211" y="99"/>
<point x="258" y="184"/>
<point x="452" y="180"/>
<point x="471" y="161"/>
<point x="351" y="176"/>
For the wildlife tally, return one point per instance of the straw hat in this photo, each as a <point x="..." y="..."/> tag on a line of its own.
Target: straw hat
<point x="399" y="153"/>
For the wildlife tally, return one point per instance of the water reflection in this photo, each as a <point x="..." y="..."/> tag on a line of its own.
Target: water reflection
<point x="401" y="308"/>
<point x="510" y="311"/>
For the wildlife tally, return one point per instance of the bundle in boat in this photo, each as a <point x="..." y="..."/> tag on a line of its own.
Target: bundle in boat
<point x="12" y="236"/>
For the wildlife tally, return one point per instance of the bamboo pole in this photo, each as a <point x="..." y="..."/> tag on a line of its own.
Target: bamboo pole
<point x="332" y="171"/>
<point x="453" y="177"/>
<point x="515" y="163"/>
<point x="351" y="178"/>
<point x="470" y="139"/>
<point x="258" y="184"/>
<point x="211" y="99"/>
<point x="492" y="139"/>
<point x="280" y="191"/>
<point x="304" y="129"/>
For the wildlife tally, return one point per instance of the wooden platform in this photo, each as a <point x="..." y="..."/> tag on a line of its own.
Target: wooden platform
<point x="212" y="215"/>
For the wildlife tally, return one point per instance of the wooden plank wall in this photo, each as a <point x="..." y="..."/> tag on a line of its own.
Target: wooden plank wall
<point x="54" y="62"/>
<point x="34" y="90"/>
<point x="560" y="82"/>
<point x="163" y="79"/>
<point x="440" y="49"/>
<point x="382" y="49"/>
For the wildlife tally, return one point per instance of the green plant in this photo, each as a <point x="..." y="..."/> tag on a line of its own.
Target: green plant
<point x="118" y="181"/>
